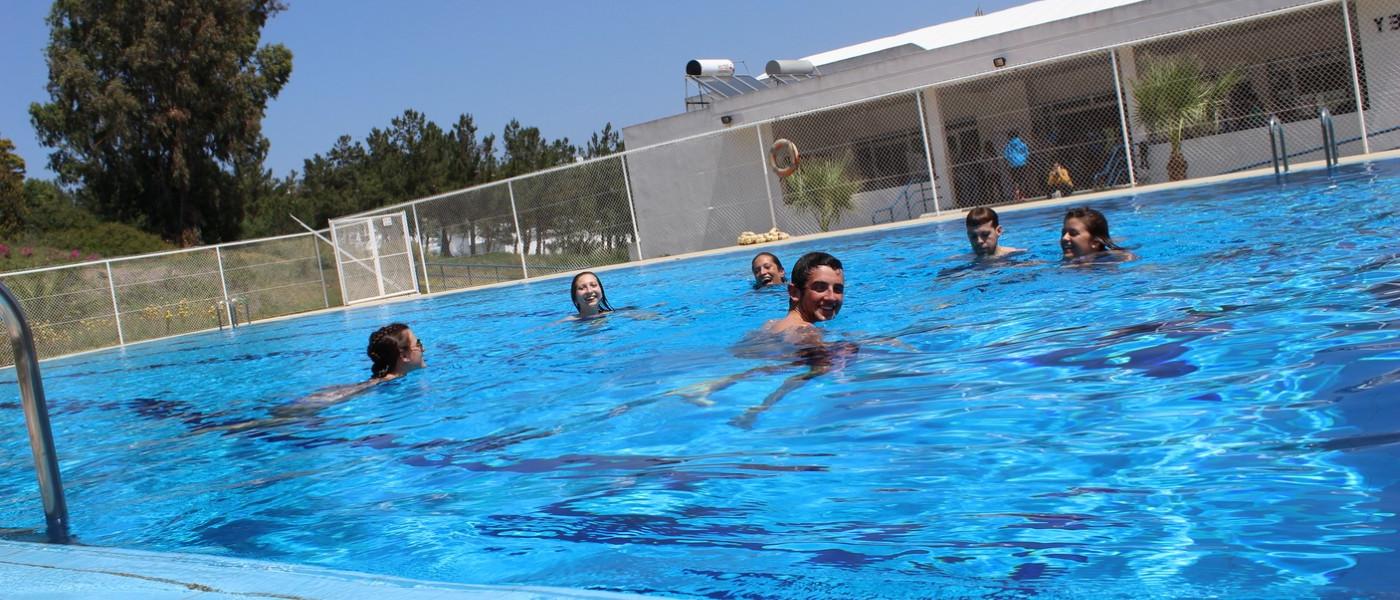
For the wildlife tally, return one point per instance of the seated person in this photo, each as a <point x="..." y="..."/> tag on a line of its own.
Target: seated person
<point x="1058" y="181"/>
<point x="1085" y="235"/>
<point x="588" y="296"/>
<point x="983" y="232"/>
<point x="767" y="270"/>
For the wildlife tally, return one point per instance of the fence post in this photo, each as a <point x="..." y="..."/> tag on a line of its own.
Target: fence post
<point x="1355" y="80"/>
<point x="219" y="257"/>
<point x="519" y="239"/>
<point x="116" y="312"/>
<point x="763" y="166"/>
<point x="325" y="294"/>
<point x="1122" y="118"/>
<point x="631" y="206"/>
<point x="418" y="237"/>
<point x="928" y="153"/>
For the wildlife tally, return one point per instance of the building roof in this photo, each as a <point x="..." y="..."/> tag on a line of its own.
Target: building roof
<point x="972" y="28"/>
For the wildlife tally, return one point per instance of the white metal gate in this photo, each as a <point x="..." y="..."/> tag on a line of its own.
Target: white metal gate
<point x="374" y="257"/>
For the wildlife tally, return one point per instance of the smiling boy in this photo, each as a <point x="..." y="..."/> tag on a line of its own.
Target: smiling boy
<point x="815" y="293"/>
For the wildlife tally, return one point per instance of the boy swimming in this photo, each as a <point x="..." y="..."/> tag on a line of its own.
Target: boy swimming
<point x="984" y="232"/>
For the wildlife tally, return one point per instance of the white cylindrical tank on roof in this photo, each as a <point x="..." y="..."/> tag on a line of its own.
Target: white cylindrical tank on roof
<point x="713" y="67"/>
<point x="790" y="67"/>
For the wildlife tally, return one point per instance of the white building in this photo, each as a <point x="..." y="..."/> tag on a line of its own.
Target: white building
<point x="945" y="98"/>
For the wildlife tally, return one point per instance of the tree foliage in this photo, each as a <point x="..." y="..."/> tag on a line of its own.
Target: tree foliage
<point x="156" y="106"/>
<point x="12" y="214"/>
<point x="1174" y="95"/>
<point x="821" y="188"/>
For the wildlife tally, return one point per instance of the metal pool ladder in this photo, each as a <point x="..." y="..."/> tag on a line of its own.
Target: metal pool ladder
<point x="1329" y="138"/>
<point x="1277" y="147"/>
<point x="36" y="417"/>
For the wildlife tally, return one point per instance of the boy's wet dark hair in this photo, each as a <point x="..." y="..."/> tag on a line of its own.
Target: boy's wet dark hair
<point x="1095" y="223"/>
<point x="385" y="349"/>
<point x="810" y="261"/>
<point x="981" y="215"/>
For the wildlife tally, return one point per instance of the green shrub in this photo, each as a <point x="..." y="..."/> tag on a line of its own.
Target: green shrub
<point x="106" y="239"/>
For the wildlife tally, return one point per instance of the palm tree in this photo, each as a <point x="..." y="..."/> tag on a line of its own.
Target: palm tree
<point x="1174" y="95"/>
<point x="821" y="188"/>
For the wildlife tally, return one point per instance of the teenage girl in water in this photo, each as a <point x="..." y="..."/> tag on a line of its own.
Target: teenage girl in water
<point x="588" y="296"/>
<point x="1084" y="236"/>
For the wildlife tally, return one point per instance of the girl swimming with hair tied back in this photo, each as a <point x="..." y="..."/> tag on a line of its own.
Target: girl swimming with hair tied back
<point x="395" y="351"/>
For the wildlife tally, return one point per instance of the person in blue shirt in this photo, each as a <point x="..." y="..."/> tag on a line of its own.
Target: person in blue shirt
<point x="1017" y="155"/>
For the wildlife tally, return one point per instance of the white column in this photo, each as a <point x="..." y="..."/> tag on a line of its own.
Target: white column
<point x="219" y="257"/>
<point x="928" y="153"/>
<point x="631" y="206"/>
<point x="339" y="273"/>
<point x="1355" y="79"/>
<point x="325" y="294"/>
<point x="519" y="238"/>
<point x="422" y="257"/>
<point x="763" y="165"/>
<point x="116" y="312"/>
<point x="1122" y="117"/>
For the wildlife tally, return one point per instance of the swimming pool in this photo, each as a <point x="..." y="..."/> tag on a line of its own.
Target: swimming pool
<point x="1215" y="418"/>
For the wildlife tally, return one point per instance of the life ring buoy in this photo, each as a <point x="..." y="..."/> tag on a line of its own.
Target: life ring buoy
<point x="784" y="157"/>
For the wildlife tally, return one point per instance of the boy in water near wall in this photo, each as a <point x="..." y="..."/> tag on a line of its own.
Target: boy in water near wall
<point x="984" y="231"/>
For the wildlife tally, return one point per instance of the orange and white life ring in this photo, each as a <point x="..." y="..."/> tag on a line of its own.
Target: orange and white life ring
<point x="784" y="157"/>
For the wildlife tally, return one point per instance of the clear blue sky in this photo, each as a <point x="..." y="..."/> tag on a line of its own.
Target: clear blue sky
<point x="565" y="67"/>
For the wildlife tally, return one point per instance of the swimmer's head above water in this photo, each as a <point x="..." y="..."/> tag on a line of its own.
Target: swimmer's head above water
<point x="983" y="230"/>
<point x="767" y="270"/>
<point x="1085" y="233"/>
<point x="818" y="287"/>
<point x="588" y="295"/>
<point x="395" y="350"/>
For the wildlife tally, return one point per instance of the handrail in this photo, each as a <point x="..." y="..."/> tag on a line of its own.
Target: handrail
<point x="36" y="416"/>
<point x="1329" y="137"/>
<point x="1277" y="145"/>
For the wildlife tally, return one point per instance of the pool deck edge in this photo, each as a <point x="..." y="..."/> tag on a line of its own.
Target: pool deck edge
<point x="54" y="571"/>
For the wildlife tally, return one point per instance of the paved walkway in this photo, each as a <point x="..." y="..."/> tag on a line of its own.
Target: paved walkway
<point x="31" y="570"/>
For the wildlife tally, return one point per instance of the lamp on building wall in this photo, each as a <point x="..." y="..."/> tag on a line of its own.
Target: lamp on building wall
<point x="726" y="119"/>
<point x="999" y="62"/>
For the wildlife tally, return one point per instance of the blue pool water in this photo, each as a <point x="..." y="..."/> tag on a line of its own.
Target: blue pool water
<point x="1217" y="418"/>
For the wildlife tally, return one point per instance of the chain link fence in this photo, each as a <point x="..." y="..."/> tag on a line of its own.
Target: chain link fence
<point x="1185" y="105"/>
<point x="112" y="302"/>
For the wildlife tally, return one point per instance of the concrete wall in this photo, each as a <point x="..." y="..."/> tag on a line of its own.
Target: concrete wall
<point x="699" y="194"/>
<point x="1037" y="42"/>
<point x="1380" y="50"/>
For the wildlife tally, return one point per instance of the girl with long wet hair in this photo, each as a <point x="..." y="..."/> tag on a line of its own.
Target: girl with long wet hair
<point x="588" y="296"/>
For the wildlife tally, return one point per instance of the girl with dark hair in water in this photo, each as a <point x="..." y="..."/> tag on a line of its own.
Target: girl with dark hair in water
<point x="395" y="351"/>
<point x="586" y="290"/>
<point x="767" y="270"/>
<point x="1085" y="234"/>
